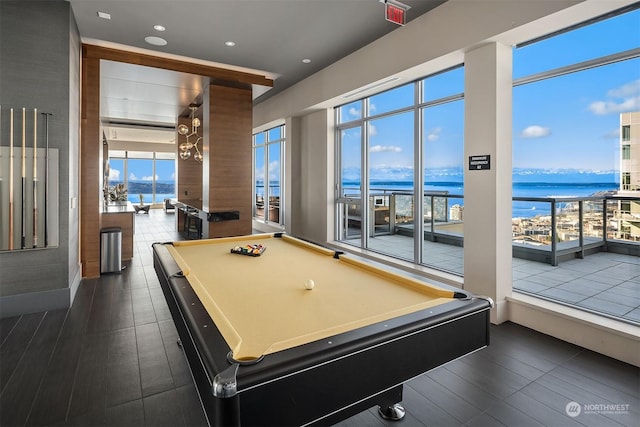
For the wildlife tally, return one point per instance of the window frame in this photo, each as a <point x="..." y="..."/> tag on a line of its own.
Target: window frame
<point x="152" y="156"/>
<point x="263" y="140"/>
<point x="419" y="107"/>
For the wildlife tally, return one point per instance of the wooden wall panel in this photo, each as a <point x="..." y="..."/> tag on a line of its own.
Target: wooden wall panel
<point x="229" y="158"/>
<point x="230" y="165"/>
<point x="90" y="169"/>
<point x="189" y="171"/>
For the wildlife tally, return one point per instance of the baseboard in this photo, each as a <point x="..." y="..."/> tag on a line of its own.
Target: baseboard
<point x="612" y="338"/>
<point x="35" y="302"/>
<point x="75" y="284"/>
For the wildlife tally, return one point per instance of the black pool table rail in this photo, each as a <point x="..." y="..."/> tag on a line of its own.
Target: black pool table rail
<point x="321" y="382"/>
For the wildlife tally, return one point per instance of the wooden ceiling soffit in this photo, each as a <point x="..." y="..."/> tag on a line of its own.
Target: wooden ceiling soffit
<point x="236" y="78"/>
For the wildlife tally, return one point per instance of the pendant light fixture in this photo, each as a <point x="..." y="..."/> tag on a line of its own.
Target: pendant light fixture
<point x="185" y="147"/>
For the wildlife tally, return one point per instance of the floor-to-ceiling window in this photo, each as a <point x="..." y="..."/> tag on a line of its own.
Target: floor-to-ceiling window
<point x="165" y="177"/>
<point x="148" y="177"/>
<point x="570" y="90"/>
<point x="268" y="175"/>
<point x="382" y="140"/>
<point x="442" y="131"/>
<point x="390" y="149"/>
<point x="350" y="170"/>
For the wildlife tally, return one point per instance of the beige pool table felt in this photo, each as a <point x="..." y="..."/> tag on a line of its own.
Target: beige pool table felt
<point x="260" y="304"/>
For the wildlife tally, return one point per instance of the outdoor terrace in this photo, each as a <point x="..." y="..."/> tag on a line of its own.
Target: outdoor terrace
<point x="583" y="251"/>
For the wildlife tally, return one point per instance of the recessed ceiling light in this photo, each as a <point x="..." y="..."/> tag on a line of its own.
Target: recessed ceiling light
<point x="104" y="15"/>
<point x="159" y="27"/>
<point x="306" y="60"/>
<point x="230" y="43"/>
<point x="156" y="41"/>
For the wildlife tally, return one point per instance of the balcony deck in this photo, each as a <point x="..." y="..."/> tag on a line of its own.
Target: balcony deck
<point x="603" y="282"/>
<point x="582" y="252"/>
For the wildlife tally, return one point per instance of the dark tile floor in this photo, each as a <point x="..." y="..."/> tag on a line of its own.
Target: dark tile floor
<point x="112" y="360"/>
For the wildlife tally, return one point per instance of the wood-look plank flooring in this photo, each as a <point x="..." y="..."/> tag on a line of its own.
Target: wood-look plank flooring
<point x="112" y="360"/>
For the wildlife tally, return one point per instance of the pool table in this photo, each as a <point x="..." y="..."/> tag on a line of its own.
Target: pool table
<point x="264" y="349"/>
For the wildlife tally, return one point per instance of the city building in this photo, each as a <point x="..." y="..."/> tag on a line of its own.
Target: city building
<point x="629" y="211"/>
<point x="456" y="212"/>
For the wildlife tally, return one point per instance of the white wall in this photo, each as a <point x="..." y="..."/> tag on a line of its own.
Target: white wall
<point x="312" y="198"/>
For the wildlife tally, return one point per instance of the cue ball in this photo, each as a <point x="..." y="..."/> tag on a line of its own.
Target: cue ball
<point x="308" y="284"/>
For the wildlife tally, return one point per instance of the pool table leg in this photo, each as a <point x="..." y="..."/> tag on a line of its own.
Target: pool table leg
<point x="394" y="412"/>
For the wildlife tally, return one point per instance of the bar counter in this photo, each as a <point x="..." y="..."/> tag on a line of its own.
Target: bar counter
<point x="193" y="218"/>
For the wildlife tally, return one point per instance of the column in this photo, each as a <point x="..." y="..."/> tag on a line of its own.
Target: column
<point x="487" y="190"/>
<point x="226" y="169"/>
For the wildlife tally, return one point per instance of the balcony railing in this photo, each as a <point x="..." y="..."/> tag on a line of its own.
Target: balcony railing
<point x="553" y="228"/>
<point x="271" y="205"/>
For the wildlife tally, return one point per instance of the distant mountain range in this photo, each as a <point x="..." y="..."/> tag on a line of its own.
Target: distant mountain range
<point x="146" y="187"/>
<point x="575" y="176"/>
<point x="455" y="174"/>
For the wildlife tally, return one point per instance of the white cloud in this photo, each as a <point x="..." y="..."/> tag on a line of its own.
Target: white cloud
<point x="609" y="107"/>
<point x="354" y="112"/>
<point x="133" y="177"/>
<point x="351" y="134"/>
<point x="372" y="130"/>
<point x="383" y="148"/>
<point x="626" y="98"/>
<point x="434" y="134"/>
<point x="274" y="170"/>
<point x="626" y="90"/>
<point x="260" y="173"/>
<point x="535" y="131"/>
<point x="114" y="174"/>
<point x="150" y="178"/>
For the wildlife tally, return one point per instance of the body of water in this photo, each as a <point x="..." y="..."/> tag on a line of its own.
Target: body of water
<point x="520" y="189"/>
<point x="164" y="190"/>
<point x="148" y="198"/>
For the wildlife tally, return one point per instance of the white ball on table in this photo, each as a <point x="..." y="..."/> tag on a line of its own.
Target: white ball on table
<point x="309" y="284"/>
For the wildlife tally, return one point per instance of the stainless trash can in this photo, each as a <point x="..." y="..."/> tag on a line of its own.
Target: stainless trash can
<point x="110" y="250"/>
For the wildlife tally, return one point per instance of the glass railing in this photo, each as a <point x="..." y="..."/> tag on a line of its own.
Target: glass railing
<point x="571" y="226"/>
<point x="271" y="205"/>
<point x="562" y="226"/>
<point x="546" y="229"/>
<point x="622" y="219"/>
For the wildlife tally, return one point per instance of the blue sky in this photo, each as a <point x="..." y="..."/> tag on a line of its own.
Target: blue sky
<point x="568" y="122"/>
<point x="573" y="120"/>
<point x="142" y="170"/>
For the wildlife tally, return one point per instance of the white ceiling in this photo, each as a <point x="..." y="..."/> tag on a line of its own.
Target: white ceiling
<point x="272" y="37"/>
<point x="145" y="94"/>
